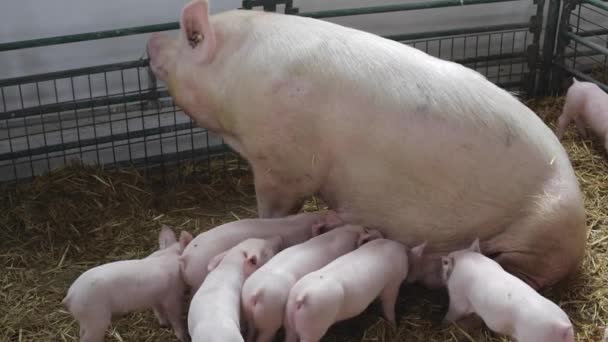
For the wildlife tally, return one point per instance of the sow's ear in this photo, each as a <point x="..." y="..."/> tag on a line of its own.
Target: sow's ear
<point x="197" y="30"/>
<point x="417" y="251"/>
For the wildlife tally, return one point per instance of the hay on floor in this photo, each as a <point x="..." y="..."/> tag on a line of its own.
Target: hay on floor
<point x="53" y="229"/>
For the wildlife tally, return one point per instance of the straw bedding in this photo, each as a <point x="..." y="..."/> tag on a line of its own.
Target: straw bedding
<point x="59" y="225"/>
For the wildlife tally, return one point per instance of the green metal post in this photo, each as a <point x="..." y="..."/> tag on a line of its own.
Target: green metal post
<point x="24" y="44"/>
<point x="536" y="27"/>
<point x="458" y="32"/>
<point x="598" y="4"/>
<point x="397" y="8"/>
<point x="584" y="41"/>
<point x="562" y="41"/>
<point x="544" y="81"/>
<point x="270" y="5"/>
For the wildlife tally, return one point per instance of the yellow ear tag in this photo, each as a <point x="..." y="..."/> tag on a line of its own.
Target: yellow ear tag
<point x="172" y="86"/>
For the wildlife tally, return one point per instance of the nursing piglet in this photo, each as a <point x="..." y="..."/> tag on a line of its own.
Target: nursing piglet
<point x="120" y="287"/>
<point x="345" y="287"/>
<point x="586" y="104"/>
<point x="507" y="305"/>
<point x="214" y="313"/>
<point x="293" y="229"/>
<point x="265" y="293"/>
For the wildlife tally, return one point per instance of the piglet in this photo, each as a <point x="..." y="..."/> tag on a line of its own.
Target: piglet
<point x="293" y="229"/>
<point x="586" y="104"/>
<point x="507" y="305"/>
<point x="265" y="293"/>
<point x="345" y="287"/>
<point x="120" y="287"/>
<point x="214" y="314"/>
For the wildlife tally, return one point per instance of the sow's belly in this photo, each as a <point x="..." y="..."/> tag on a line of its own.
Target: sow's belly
<point x="437" y="184"/>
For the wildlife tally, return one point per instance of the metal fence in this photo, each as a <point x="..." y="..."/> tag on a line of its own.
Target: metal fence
<point x="582" y="44"/>
<point x="117" y="115"/>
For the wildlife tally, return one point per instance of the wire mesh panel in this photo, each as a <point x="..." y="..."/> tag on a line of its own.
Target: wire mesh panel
<point x="583" y="43"/>
<point x="109" y="115"/>
<point x="500" y="56"/>
<point x="116" y="114"/>
<point x="506" y="53"/>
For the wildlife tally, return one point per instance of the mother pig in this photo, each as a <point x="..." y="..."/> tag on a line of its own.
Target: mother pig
<point x="388" y="136"/>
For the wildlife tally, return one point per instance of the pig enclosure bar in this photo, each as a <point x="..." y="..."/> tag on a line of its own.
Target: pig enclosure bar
<point x="116" y="115"/>
<point x="582" y="44"/>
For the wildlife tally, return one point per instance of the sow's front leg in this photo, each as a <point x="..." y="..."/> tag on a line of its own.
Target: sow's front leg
<point x="276" y="196"/>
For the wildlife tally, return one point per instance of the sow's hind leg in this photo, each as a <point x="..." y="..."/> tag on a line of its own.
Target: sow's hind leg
<point x="547" y="243"/>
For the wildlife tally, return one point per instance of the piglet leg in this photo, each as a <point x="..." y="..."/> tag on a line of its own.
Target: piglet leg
<point x="562" y="124"/>
<point x="581" y="126"/>
<point x="388" y="297"/>
<point x="274" y="199"/>
<point x="290" y="334"/>
<point x="251" y="330"/>
<point x="265" y="335"/>
<point x="457" y="310"/>
<point x="161" y="316"/>
<point x="173" y="309"/>
<point x="94" y="329"/>
<point x="470" y="322"/>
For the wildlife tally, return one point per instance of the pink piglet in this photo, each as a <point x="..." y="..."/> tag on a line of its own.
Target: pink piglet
<point x="123" y="286"/>
<point x="506" y="304"/>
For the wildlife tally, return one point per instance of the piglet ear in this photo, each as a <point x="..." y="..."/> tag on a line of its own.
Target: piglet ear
<point x="475" y="246"/>
<point x="318" y="229"/>
<point x="276" y="243"/>
<point x="417" y="251"/>
<point x="184" y="239"/>
<point x="445" y="261"/>
<point x="198" y="32"/>
<point x="215" y="261"/>
<point x="332" y="219"/>
<point x="368" y="235"/>
<point x="182" y="263"/>
<point x="166" y="237"/>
